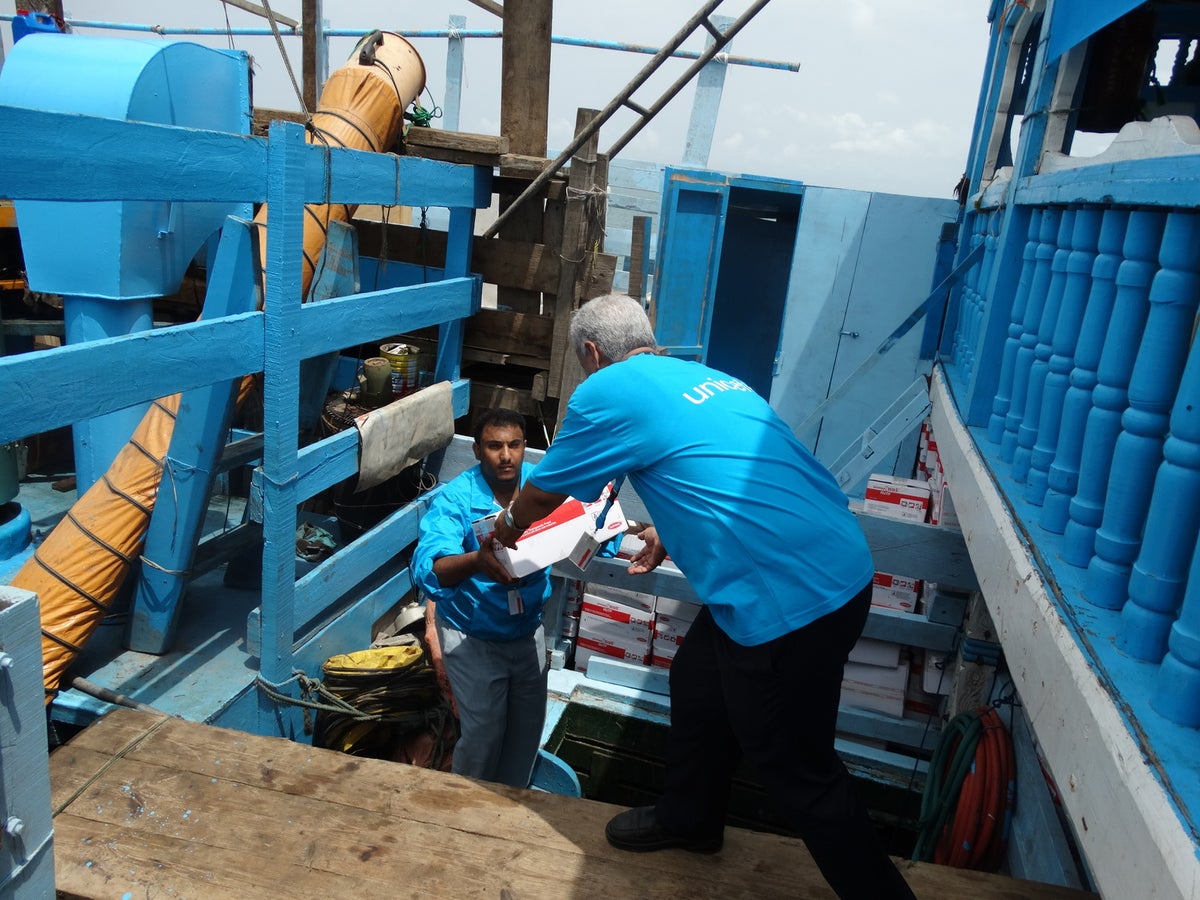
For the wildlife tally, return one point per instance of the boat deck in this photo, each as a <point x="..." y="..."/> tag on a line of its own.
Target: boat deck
<point x="151" y="805"/>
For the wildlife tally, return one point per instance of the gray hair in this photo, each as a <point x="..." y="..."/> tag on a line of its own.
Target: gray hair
<point x="615" y="323"/>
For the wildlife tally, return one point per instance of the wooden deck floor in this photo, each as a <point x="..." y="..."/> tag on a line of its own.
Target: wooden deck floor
<point x="153" y="806"/>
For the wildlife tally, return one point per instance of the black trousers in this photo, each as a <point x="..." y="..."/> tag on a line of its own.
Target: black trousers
<point x="776" y="704"/>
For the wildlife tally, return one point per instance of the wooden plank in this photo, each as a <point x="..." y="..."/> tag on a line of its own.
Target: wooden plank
<point x="524" y="114"/>
<point x="194" y="810"/>
<point x="459" y="147"/>
<point x="582" y="180"/>
<point x="485" y="395"/>
<point x="500" y="261"/>
<point x="505" y="331"/>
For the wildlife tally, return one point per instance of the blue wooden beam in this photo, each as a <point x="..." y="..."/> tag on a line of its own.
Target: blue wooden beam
<point x="190" y="466"/>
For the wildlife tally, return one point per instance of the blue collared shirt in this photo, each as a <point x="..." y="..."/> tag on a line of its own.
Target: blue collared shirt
<point x="476" y="606"/>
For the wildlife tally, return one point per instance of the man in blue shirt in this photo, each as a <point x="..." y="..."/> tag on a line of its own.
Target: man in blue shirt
<point x="483" y="627"/>
<point x="764" y="535"/>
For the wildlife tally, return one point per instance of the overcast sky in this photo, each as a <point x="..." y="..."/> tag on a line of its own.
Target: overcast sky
<point x="884" y="99"/>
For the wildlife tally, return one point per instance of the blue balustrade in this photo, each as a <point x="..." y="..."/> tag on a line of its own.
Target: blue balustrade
<point x="1143" y="235"/>
<point x="1157" y="583"/>
<point x="1003" y="399"/>
<point x="968" y="301"/>
<point x="1161" y="355"/>
<point x="1085" y="236"/>
<point x="1063" y="477"/>
<point x="1038" y="288"/>
<point x="1028" y="430"/>
<point x="1176" y="692"/>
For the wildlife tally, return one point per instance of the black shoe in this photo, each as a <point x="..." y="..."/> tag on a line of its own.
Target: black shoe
<point x="638" y="830"/>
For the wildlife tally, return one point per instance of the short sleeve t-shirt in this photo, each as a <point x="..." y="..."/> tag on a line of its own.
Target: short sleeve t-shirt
<point x="759" y="527"/>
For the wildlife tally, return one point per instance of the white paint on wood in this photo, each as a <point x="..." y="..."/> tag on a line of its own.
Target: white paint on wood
<point x="1127" y="829"/>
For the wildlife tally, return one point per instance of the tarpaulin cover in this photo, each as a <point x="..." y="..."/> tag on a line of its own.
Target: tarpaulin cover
<point x="1072" y="22"/>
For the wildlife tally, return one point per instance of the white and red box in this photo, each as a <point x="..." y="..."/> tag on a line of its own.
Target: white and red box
<point x="897" y="498"/>
<point x="877" y="688"/>
<point x="895" y="591"/>
<point x="620" y="595"/>
<point x="555" y="537"/>
<point x="586" y="649"/>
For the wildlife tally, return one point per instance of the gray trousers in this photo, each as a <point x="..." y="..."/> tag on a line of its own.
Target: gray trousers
<point x="500" y="690"/>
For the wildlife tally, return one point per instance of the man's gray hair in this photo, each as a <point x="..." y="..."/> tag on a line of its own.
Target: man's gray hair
<point x="615" y="323"/>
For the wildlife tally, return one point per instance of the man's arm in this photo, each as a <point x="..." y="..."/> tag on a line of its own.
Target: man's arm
<point x="531" y="505"/>
<point x="451" y="570"/>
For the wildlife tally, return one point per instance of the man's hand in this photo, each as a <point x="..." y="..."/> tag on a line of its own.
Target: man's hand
<point x="434" y="646"/>
<point x="490" y="566"/>
<point x="505" y="535"/>
<point x="650" y="556"/>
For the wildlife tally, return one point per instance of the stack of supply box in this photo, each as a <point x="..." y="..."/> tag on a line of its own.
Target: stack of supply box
<point x="672" y="619"/>
<point x="614" y="623"/>
<point x="876" y="676"/>
<point x="897" y="498"/>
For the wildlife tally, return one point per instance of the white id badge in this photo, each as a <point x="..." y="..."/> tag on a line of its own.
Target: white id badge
<point x="516" y="605"/>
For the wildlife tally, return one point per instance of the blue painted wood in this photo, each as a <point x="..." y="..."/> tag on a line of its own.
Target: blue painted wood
<point x="1166" y="181"/>
<point x="1085" y="238"/>
<point x="1177" y="683"/>
<point x="1063" y="477"/>
<point x="1143" y="236"/>
<point x="1028" y="430"/>
<point x="1161" y="357"/>
<point x="285" y="235"/>
<point x="190" y="356"/>
<point x="707" y="99"/>
<point x="189" y="468"/>
<point x="1002" y="402"/>
<point x="1038" y="289"/>
<point x="690" y="234"/>
<point x="1156" y="585"/>
<point x="26" y="858"/>
<point x="336" y="275"/>
<point x="968" y="299"/>
<point x="219" y="166"/>
<point x="991" y="246"/>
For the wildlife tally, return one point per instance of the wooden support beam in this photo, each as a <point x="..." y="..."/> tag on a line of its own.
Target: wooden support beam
<point x="564" y="367"/>
<point x="310" y="37"/>
<point x="510" y="264"/>
<point x="524" y="113"/>
<point x="459" y="147"/>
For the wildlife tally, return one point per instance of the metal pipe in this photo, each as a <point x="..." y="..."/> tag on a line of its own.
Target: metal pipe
<point x="605" y="114"/>
<point x="356" y="33"/>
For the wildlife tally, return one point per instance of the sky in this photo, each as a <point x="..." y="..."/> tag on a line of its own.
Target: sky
<point x="884" y="99"/>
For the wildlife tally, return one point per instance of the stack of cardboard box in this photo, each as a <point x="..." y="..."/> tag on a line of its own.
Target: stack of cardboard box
<point x="672" y="619"/>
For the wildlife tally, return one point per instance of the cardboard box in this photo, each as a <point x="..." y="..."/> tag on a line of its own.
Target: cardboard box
<point x="876" y="688"/>
<point x="554" y="538"/>
<point x="605" y="608"/>
<point x="871" y="652"/>
<point x="895" y="591"/>
<point x="630" y="635"/>
<point x="620" y="595"/>
<point x="676" y="610"/>
<point x="670" y="632"/>
<point x="585" y="650"/>
<point x="898" y="498"/>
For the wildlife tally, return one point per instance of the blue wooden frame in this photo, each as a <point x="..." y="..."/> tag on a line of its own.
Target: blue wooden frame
<point x="90" y="158"/>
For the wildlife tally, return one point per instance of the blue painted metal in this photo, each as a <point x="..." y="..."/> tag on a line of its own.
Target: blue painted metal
<point x="189" y="469"/>
<point x="452" y="33"/>
<point x="120" y="251"/>
<point x="1109" y="398"/>
<point x="1158" y="368"/>
<point x="1062" y="480"/>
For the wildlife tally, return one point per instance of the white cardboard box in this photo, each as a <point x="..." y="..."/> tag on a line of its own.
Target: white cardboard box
<point x="677" y="609"/>
<point x="585" y="650"/>
<point x="605" y="608"/>
<point x="555" y="537"/>
<point x="631" y="635"/>
<point x="878" y="688"/>
<point x="875" y="653"/>
<point x="899" y="498"/>
<point x="895" y="591"/>
<point x="620" y="595"/>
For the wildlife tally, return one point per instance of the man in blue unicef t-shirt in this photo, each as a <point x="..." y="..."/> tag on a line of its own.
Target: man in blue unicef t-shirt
<point x="763" y="533"/>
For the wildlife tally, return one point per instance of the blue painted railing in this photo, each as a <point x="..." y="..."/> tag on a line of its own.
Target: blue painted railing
<point x="1073" y="359"/>
<point x="86" y="158"/>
